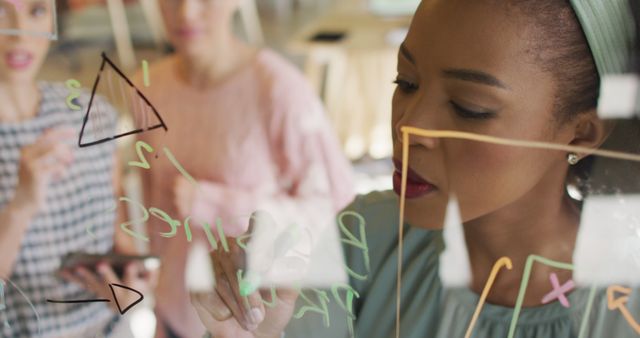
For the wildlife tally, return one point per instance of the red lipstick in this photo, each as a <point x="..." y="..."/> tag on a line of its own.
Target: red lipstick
<point x="416" y="185"/>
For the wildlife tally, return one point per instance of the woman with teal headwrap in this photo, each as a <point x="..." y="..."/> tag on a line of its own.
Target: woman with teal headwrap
<point x="517" y="69"/>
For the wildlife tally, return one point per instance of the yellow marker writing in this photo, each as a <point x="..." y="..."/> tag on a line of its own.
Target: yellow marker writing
<point x="502" y="262"/>
<point x="620" y="304"/>
<point x="73" y="85"/>
<point x="145" y="73"/>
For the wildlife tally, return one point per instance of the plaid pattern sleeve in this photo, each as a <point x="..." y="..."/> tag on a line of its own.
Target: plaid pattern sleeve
<point x="78" y="201"/>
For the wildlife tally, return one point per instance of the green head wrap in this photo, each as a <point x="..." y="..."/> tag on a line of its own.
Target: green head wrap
<point x="611" y="32"/>
<point x="610" y="28"/>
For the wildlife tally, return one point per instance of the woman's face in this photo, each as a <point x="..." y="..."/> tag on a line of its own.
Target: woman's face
<point x="22" y="55"/>
<point x="468" y="65"/>
<point x="192" y="25"/>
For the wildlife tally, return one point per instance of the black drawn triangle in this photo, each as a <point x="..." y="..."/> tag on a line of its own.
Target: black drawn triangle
<point x="105" y="61"/>
<point x="113" y="292"/>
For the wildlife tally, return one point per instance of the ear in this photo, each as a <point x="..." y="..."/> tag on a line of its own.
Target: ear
<point x="590" y="131"/>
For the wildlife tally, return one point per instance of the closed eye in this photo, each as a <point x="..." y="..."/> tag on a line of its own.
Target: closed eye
<point x="470" y="113"/>
<point x="406" y="86"/>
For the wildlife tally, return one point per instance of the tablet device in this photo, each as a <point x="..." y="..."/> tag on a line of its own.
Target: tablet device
<point x="117" y="261"/>
<point x="326" y="36"/>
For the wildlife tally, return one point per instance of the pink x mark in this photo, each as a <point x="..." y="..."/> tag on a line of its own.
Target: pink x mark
<point x="558" y="291"/>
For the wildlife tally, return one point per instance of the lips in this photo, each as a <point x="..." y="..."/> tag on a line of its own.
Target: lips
<point x="18" y="59"/>
<point x="416" y="185"/>
<point x="188" y="32"/>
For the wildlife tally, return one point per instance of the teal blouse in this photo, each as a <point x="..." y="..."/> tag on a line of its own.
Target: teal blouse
<point x="429" y="309"/>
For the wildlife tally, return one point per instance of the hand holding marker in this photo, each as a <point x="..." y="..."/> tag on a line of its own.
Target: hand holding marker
<point x="228" y="313"/>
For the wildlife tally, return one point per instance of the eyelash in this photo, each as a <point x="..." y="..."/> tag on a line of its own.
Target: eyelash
<point x="408" y="88"/>
<point x="471" y="114"/>
<point x="405" y="86"/>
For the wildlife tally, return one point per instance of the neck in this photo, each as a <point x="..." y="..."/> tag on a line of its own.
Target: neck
<point x="19" y="101"/>
<point x="532" y="225"/>
<point x="229" y="54"/>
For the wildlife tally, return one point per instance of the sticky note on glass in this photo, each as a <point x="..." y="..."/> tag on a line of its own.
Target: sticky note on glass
<point x="285" y="251"/>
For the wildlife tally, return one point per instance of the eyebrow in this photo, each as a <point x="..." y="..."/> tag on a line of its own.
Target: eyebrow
<point x="474" y="76"/>
<point x="405" y="52"/>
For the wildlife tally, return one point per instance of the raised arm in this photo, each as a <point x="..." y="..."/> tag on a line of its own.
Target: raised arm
<point x="40" y="163"/>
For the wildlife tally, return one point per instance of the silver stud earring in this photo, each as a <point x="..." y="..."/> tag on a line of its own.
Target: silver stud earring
<point x="573" y="158"/>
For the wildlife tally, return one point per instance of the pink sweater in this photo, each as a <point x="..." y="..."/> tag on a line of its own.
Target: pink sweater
<point x="260" y="140"/>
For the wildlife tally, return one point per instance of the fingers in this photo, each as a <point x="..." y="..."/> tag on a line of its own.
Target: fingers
<point x="212" y="304"/>
<point x="49" y="158"/>
<point x="233" y="268"/>
<point x="58" y="134"/>
<point x="247" y="307"/>
<point x="89" y="280"/>
<point x="69" y="276"/>
<point x="205" y="315"/>
<point x="108" y="275"/>
<point x="225" y="291"/>
<point x="41" y="162"/>
<point x="45" y="153"/>
<point x="62" y="135"/>
<point x="53" y="142"/>
<point x="206" y="318"/>
<point x="204" y="304"/>
<point x="249" y="311"/>
<point x="288" y="296"/>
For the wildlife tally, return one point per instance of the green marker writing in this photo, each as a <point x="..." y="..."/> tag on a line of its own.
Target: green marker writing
<point x="249" y="284"/>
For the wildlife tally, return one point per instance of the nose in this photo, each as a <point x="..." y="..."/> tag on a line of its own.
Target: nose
<point x="419" y="115"/>
<point x="188" y="9"/>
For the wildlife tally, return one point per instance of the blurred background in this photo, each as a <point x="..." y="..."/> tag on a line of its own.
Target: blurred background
<point x="346" y="48"/>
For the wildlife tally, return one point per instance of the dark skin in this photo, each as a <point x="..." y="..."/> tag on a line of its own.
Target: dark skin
<point x="470" y="66"/>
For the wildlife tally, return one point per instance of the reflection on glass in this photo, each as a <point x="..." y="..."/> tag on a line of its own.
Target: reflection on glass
<point x="591" y="259"/>
<point x="29" y="17"/>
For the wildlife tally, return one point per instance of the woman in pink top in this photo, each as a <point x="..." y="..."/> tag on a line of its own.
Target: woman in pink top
<point x="246" y="125"/>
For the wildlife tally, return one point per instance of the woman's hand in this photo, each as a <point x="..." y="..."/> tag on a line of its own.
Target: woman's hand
<point x="221" y="322"/>
<point x="225" y="312"/>
<point x="41" y="163"/>
<point x="99" y="283"/>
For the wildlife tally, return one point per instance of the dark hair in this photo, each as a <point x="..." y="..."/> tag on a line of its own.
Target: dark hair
<point x="561" y="48"/>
